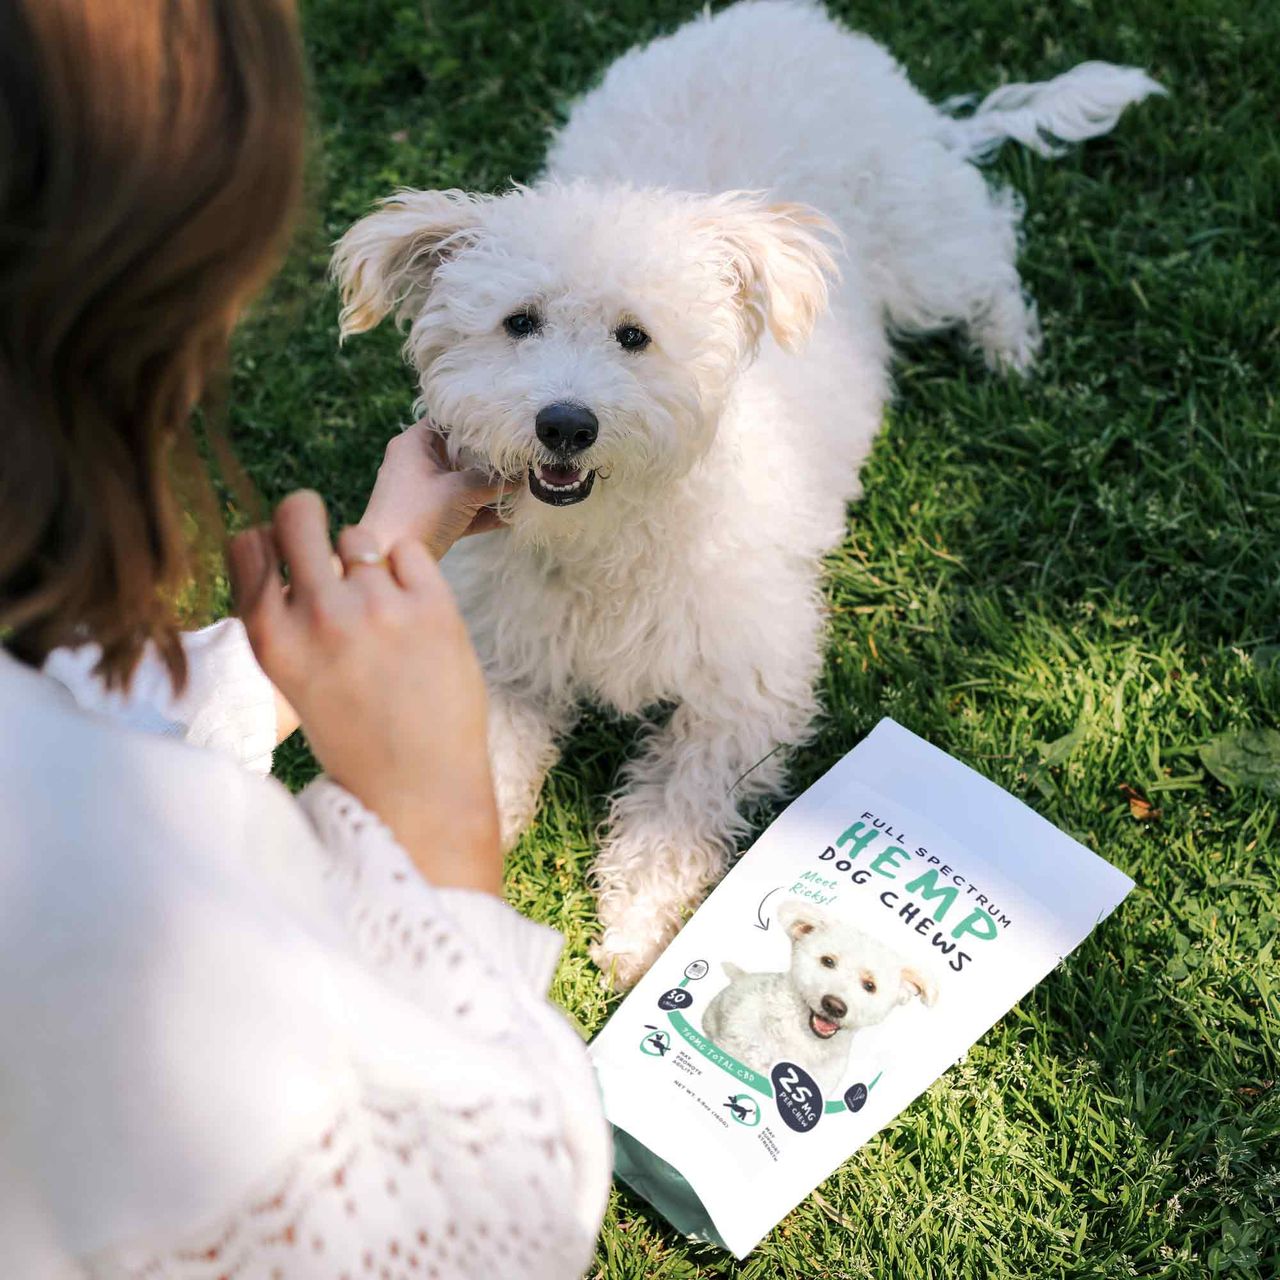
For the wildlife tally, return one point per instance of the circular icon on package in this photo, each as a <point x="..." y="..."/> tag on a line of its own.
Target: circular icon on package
<point x="855" y="1097"/>
<point x="655" y="1043"/>
<point x="676" y="998"/>
<point x="798" y="1097"/>
<point x="698" y="969"/>
<point x="744" y="1109"/>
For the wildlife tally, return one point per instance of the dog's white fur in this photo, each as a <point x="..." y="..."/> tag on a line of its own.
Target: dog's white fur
<point x="729" y="448"/>
<point x="766" y="1018"/>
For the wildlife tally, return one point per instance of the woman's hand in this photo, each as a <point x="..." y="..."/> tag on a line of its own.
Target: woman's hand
<point x="378" y="665"/>
<point x="417" y="495"/>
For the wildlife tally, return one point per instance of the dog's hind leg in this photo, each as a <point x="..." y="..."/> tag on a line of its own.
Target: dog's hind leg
<point x="942" y="247"/>
<point x="523" y="746"/>
<point x="944" y="243"/>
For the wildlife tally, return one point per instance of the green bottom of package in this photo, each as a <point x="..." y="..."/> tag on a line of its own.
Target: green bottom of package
<point x="664" y="1187"/>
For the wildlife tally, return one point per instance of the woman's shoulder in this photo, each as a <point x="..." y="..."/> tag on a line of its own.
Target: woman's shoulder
<point x="164" y="992"/>
<point x="85" y="799"/>
<point x="126" y="852"/>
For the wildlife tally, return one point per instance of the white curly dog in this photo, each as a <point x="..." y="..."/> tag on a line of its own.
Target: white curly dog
<point x="676" y="346"/>
<point x="839" y="981"/>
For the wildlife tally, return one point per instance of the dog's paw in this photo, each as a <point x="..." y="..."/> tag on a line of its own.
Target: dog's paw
<point x="646" y="885"/>
<point x="636" y="931"/>
<point x="516" y="809"/>
<point x="516" y="789"/>
<point x="623" y="959"/>
<point x="521" y="751"/>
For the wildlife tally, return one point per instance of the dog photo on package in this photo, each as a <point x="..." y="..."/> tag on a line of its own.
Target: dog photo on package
<point x="874" y="932"/>
<point x="838" y="980"/>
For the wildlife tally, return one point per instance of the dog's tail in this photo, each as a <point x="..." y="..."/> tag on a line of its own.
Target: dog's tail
<point x="1084" y="102"/>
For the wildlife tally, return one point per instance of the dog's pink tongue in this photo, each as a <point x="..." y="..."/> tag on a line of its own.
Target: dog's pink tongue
<point x="823" y="1027"/>
<point x="559" y="475"/>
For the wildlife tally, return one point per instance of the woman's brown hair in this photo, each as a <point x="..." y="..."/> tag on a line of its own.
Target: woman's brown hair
<point x="150" y="163"/>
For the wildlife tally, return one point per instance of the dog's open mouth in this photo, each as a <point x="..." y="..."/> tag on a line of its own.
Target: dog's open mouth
<point x="822" y="1027"/>
<point x="560" y="486"/>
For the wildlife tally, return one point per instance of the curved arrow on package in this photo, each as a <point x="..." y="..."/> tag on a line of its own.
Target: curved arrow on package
<point x="761" y="922"/>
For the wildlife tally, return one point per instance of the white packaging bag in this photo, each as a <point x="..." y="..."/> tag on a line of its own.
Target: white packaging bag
<point x="887" y="919"/>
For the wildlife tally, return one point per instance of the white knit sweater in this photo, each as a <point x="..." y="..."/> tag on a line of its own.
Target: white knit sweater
<point x="239" y="1035"/>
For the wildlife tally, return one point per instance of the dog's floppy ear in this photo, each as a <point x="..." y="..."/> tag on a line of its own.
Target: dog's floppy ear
<point x="778" y="257"/>
<point x="915" y="983"/>
<point x="386" y="260"/>
<point x="798" y="919"/>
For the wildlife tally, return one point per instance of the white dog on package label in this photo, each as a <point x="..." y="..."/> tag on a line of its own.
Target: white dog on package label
<point x="675" y="345"/>
<point x="840" y="980"/>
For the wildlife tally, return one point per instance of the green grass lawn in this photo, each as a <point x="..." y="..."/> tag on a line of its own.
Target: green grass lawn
<point x="1064" y="582"/>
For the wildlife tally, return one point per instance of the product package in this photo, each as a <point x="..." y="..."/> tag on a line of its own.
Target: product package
<point x="888" y="918"/>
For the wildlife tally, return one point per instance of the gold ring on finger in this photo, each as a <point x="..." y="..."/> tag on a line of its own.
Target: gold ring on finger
<point x="364" y="559"/>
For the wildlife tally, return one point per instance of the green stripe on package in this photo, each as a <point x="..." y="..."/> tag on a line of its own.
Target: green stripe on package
<point x="872" y="934"/>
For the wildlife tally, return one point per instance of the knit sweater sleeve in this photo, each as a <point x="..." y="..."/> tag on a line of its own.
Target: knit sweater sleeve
<point x="394" y="916"/>
<point x="299" y="1061"/>
<point x="228" y="704"/>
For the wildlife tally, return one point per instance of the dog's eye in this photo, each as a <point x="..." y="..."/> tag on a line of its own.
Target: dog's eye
<point x="828" y="962"/>
<point x="631" y="337"/>
<point x="522" y="324"/>
<point x="868" y="986"/>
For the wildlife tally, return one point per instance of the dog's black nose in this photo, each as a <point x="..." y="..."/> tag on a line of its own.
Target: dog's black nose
<point x="834" y="1007"/>
<point x="567" y="428"/>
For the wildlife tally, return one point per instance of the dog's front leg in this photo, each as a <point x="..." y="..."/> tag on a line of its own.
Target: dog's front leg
<point x="675" y="822"/>
<point x="524" y="734"/>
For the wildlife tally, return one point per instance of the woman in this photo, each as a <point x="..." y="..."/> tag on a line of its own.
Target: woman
<point x="240" y="1035"/>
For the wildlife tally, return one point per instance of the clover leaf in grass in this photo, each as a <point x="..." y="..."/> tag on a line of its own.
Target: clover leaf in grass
<point x="1249" y="758"/>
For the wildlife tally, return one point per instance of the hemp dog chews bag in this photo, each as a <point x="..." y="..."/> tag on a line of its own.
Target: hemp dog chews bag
<point x="889" y="917"/>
